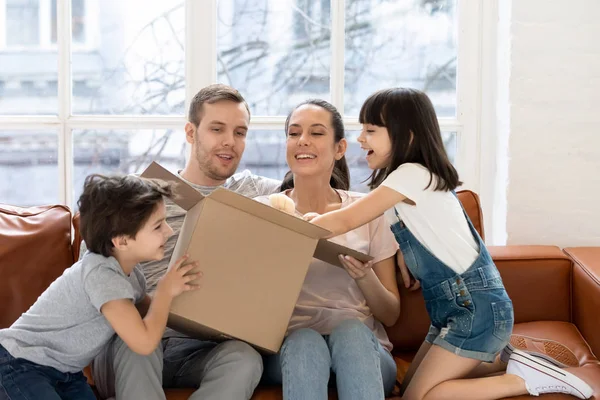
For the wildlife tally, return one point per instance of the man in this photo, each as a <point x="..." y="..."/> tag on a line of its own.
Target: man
<point x="217" y="125"/>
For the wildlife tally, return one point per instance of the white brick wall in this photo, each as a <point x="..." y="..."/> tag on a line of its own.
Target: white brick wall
<point x="553" y="194"/>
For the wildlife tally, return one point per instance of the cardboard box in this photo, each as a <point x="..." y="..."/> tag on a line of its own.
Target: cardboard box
<point x="254" y="259"/>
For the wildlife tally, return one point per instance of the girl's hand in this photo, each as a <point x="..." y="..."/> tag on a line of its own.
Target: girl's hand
<point x="177" y="279"/>
<point x="310" y="216"/>
<point x="409" y="281"/>
<point x="355" y="268"/>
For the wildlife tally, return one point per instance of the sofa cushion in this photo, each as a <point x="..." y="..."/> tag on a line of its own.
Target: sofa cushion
<point x="562" y="332"/>
<point x="36" y="249"/>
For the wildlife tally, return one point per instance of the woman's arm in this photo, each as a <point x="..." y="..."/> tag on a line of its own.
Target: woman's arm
<point x="378" y="285"/>
<point x="360" y="212"/>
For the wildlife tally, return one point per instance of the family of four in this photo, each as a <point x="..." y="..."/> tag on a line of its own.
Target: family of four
<point x="110" y="308"/>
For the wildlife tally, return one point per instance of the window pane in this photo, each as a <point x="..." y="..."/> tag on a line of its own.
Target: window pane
<point x="276" y="53"/>
<point x="22" y="22"/>
<point x="29" y="168"/>
<point x="359" y="169"/>
<point x="78" y="20"/>
<point x="28" y="79"/>
<point x="124" y="152"/>
<point x="137" y="64"/>
<point x="265" y="154"/>
<point x="409" y="43"/>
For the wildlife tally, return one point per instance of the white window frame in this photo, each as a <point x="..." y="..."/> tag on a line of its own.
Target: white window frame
<point x="201" y="67"/>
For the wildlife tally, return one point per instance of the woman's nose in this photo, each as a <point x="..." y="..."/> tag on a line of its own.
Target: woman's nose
<point x="303" y="140"/>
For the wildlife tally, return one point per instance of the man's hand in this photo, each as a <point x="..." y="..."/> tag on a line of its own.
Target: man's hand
<point x="177" y="279"/>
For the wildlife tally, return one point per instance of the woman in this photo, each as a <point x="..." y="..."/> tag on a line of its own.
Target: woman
<point x="337" y="322"/>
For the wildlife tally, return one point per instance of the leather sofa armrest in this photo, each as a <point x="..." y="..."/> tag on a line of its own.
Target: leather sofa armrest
<point x="538" y="281"/>
<point x="586" y="293"/>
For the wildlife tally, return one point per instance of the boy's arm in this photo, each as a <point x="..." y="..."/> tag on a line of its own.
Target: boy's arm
<point x="141" y="335"/>
<point x="360" y="212"/>
<point x="144" y="305"/>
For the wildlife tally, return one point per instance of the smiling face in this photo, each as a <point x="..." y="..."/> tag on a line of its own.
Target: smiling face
<point x="219" y="140"/>
<point x="311" y="149"/>
<point x="375" y="140"/>
<point x="149" y="242"/>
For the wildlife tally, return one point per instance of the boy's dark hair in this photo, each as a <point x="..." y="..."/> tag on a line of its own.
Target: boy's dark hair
<point x="212" y="94"/>
<point x="404" y="111"/>
<point x="117" y="205"/>
<point x="340" y="176"/>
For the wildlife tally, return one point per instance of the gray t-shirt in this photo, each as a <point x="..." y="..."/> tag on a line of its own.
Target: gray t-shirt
<point x="64" y="328"/>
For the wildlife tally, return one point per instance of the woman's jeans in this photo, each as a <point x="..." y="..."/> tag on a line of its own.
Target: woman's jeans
<point x="363" y="369"/>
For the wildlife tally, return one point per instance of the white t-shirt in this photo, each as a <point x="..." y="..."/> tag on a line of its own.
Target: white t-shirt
<point x="329" y="295"/>
<point x="437" y="220"/>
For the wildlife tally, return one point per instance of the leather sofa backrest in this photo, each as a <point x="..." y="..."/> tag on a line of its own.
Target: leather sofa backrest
<point x="35" y="248"/>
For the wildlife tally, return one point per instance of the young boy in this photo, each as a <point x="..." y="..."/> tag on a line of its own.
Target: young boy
<point x="43" y="353"/>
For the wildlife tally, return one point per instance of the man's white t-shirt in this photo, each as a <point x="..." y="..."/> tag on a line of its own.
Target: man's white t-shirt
<point x="436" y="220"/>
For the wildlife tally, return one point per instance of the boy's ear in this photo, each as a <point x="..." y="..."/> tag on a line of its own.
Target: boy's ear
<point x="120" y="242"/>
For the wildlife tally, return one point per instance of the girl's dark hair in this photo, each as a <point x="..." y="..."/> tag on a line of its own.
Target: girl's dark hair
<point x="340" y="176"/>
<point x="117" y="205"/>
<point x="404" y="111"/>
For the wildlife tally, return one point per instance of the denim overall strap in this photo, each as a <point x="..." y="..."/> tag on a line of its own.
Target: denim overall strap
<point x="425" y="266"/>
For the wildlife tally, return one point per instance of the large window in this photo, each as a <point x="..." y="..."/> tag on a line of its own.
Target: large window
<point x="103" y="85"/>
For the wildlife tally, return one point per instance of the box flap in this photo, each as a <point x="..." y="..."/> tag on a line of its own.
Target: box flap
<point x="268" y="213"/>
<point x="185" y="195"/>
<point x="329" y="251"/>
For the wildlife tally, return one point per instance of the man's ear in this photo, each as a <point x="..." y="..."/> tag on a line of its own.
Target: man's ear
<point x="342" y="145"/>
<point x="190" y="130"/>
<point x="120" y="242"/>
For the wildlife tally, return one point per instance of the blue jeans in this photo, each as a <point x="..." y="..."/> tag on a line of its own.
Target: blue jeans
<point x="363" y="368"/>
<point x="23" y="380"/>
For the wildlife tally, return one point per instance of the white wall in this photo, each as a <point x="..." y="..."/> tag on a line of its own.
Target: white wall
<point x="553" y="193"/>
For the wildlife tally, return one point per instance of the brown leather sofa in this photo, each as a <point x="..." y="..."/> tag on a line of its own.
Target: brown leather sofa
<point x="556" y="293"/>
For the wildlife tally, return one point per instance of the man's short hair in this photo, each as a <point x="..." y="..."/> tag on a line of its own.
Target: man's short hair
<point x="112" y="206"/>
<point x="212" y="94"/>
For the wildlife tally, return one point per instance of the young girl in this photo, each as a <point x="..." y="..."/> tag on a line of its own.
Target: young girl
<point x="470" y="311"/>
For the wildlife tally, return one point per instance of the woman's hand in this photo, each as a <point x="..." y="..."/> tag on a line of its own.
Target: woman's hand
<point x="356" y="269"/>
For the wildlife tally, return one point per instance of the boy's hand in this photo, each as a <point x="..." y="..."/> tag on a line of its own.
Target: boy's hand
<point x="177" y="279"/>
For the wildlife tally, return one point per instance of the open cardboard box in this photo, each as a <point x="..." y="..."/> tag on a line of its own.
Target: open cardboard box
<point x="254" y="259"/>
